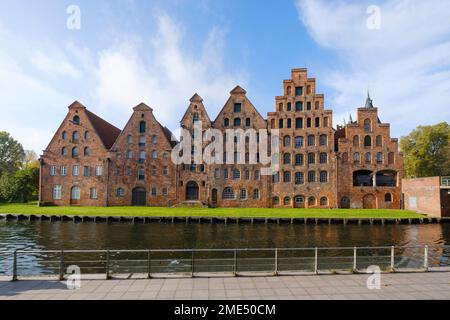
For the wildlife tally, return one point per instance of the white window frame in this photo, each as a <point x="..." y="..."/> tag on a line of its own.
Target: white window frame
<point x="57" y="192"/>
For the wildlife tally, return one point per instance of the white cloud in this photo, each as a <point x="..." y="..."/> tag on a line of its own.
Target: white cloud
<point x="405" y="63"/>
<point x="54" y="65"/>
<point x="165" y="75"/>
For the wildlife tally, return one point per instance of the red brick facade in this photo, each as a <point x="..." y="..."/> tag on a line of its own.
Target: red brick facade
<point x="316" y="162"/>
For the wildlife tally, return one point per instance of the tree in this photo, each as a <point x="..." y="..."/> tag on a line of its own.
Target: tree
<point x="30" y="159"/>
<point x="11" y="154"/>
<point x="23" y="186"/>
<point x="426" y="151"/>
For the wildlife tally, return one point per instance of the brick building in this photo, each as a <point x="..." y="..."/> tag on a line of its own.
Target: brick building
<point x="90" y="162"/>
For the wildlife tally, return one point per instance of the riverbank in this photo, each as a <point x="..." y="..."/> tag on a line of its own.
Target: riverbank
<point x="33" y="209"/>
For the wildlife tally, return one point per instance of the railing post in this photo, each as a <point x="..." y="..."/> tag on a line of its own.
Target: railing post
<point x="14" y="277"/>
<point x="316" y="260"/>
<point x="149" y="265"/>
<point x="276" y="261"/>
<point x="425" y="258"/>
<point x="61" y="266"/>
<point x="107" y="265"/>
<point x="235" y="263"/>
<point x="354" y="259"/>
<point x="392" y="258"/>
<point x="192" y="264"/>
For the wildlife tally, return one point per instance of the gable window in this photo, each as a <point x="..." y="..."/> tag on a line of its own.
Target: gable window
<point x="247" y="122"/>
<point x="298" y="123"/>
<point x="76" y="120"/>
<point x="298" y="91"/>
<point x="154" y="139"/>
<point x="64" y="135"/>
<point x="298" y="106"/>
<point x="87" y="152"/>
<point x="226" y="122"/>
<point x="75" y="152"/>
<point x="299" y="159"/>
<point x="75" y="136"/>
<point x="237" y="122"/>
<point x="64" y="151"/>
<point x="142" y="127"/>
<point x="87" y="135"/>
<point x="57" y="192"/>
<point x="237" y="107"/>
<point x="299" y="178"/>
<point x="195" y="118"/>
<point x="367" y="126"/>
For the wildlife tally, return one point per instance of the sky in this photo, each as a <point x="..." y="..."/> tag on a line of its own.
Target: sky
<point x="115" y="54"/>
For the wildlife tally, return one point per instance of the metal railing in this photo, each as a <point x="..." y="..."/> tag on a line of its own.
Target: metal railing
<point x="200" y="262"/>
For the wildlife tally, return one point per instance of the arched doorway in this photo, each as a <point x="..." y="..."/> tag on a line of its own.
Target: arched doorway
<point x="299" y="202"/>
<point x="139" y="197"/>
<point x="369" y="201"/>
<point x="214" y="197"/>
<point x="345" y="202"/>
<point x="192" y="191"/>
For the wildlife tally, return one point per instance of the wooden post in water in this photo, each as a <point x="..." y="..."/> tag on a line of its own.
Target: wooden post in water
<point x="14" y="277"/>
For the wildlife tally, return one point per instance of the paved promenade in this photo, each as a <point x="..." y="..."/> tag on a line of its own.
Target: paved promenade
<point x="432" y="285"/>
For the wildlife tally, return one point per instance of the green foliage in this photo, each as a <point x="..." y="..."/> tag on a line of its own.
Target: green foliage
<point x="22" y="186"/>
<point x="426" y="151"/>
<point x="11" y="154"/>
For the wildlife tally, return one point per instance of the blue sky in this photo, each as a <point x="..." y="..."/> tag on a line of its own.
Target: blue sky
<point x="162" y="52"/>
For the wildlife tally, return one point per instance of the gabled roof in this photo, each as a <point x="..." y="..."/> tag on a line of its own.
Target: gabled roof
<point x="106" y="131"/>
<point x="195" y="99"/>
<point x="238" y="90"/>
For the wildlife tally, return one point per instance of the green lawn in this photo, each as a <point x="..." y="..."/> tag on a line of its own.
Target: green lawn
<point x="31" y="208"/>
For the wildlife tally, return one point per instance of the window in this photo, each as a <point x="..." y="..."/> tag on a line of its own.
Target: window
<point x="154" y="154"/>
<point x="367" y="126"/>
<point x="356" y="141"/>
<point x="225" y="174"/>
<point x="75" y="193"/>
<point x="57" y="192"/>
<point x="226" y="122"/>
<point x="287" y="141"/>
<point x="311" y="158"/>
<point x="323" y="201"/>
<point x="256" y="194"/>
<point x="165" y="171"/>
<point x="289" y="123"/>
<point x="289" y="106"/>
<point x="76" y="170"/>
<point x="75" y="136"/>
<point x="299" y="159"/>
<point x="368" y="157"/>
<point x="129" y="154"/>
<point x="154" y="171"/>
<point x="63" y="171"/>
<point x="311" y="140"/>
<point x="299" y="142"/>
<point x="388" y="197"/>
<point x="237" y="122"/>
<point x="287" y="176"/>
<point x="141" y="174"/>
<point x="64" y="135"/>
<point x="276" y="201"/>
<point x="276" y="177"/>
<point x="367" y="141"/>
<point x="195" y="117"/>
<point x="76" y="120"/>
<point x="379" y="141"/>
<point x="93" y="193"/>
<point x="237" y="107"/>
<point x="391" y="158"/>
<point x="75" y="152"/>
<point x="87" y="171"/>
<point x="323" y="140"/>
<point x="98" y="170"/>
<point x="317" y="122"/>
<point x="323" y="177"/>
<point x="64" y="151"/>
<point x="217" y="173"/>
<point x="129" y="139"/>
<point x="53" y="170"/>
<point x="247" y="175"/>
<point x="299" y="178"/>
<point x="308" y="122"/>
<point x="129" y="171"/>
<point x="356" y="157"/>
<point x="298" y="106"/>
<point x="120" y="192"/>
<point x="323" y="158"/>
<point x="311" y="201"/>
<point x="308" y="106"/>
<point x="228" y="193"/>
<point x="117" y="171"/>
<point x="154" y="139"/>
<point x="87" y="135"/>
<point x="280" y="124"/>
<point x="311" y="176"/>
<point x="247" y="122"/>
<point x="141" y="156"/>
<point x="287" y="158"/>
<point x="142" y="141"/>
<point x="236" y="174"/>
<point x="298" y="123"/>
<point x="379" y="157"/>
<point x="287" y="201"/>
<point x="142" y="127"/>
<point x="165" y="191"/>
<point x="257" y="175"/>
<point x="298" y="91"/>
<point x="154" y="191"/>
<point x="299" y="199"/>
<point x="243" y="194"/>
<point x="87" y="152"/>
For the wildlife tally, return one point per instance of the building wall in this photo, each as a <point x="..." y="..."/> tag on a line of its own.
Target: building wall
<point x="53" y="156"/>
<point x="295" y="117"/>
<point x="424" y="195"/>
<point x="353" y="142"/>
